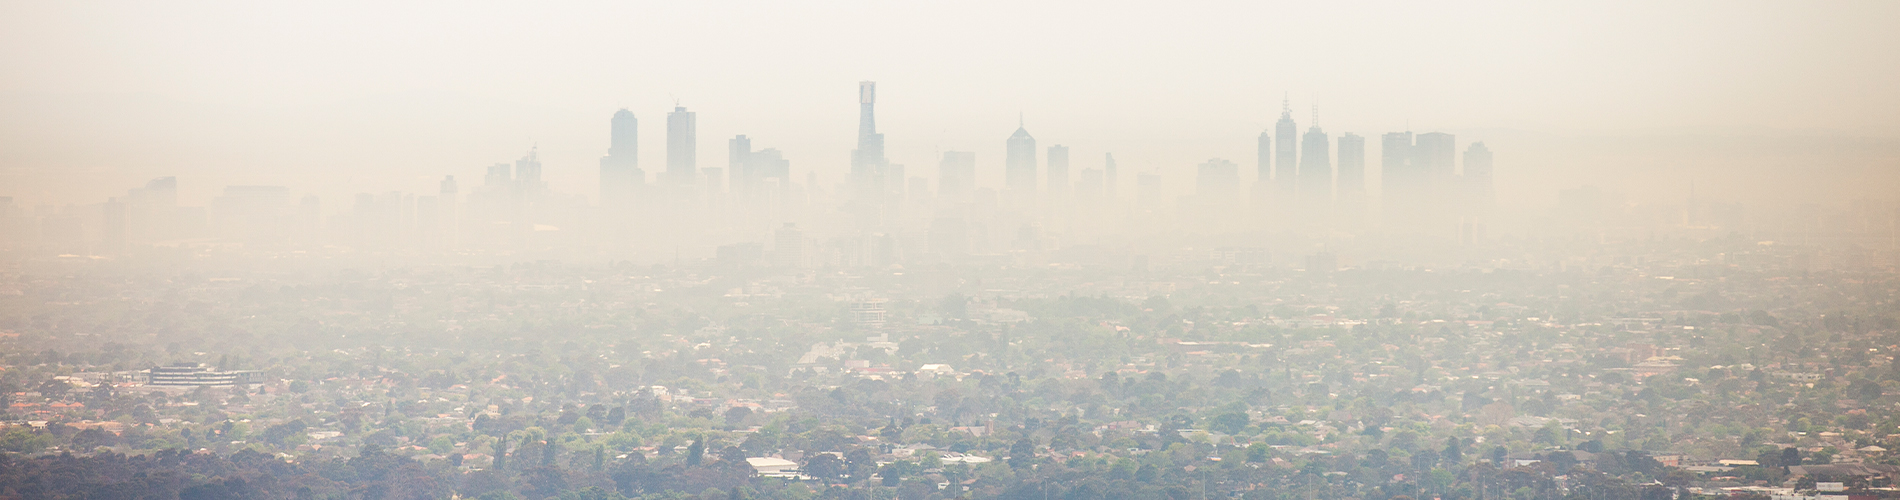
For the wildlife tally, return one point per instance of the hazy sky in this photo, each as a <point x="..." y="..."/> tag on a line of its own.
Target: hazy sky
<point x="342" y="97"/>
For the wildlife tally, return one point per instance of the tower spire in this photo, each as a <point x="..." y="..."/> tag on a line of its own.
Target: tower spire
<point x="1286" y="105"/>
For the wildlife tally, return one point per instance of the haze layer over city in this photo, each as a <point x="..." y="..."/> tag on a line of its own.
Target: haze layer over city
<point x="974" y="250"/>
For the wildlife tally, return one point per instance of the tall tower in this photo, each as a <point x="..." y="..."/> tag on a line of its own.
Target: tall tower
<point x="1352" y="167"/>
<point x="1019" y="170"/>
<point x="956" y="176"/>
<point x="1108" y="177"/>
<point x="448" y="196"/>
<point x="528" y="169"/>
<point x="868" y="162"/>
<point x="620" y="173"/>
<point x="681" y="146"/>
<point x="1286" y="158"/>
<point x="1217" y="182"/>
<point x="1058" y="172"/>
<point x="1478" y="178"/>
<point x="1352" y="180"/>
<point x="1263" y="159"/>
<point x="1434" y="157"/>
<point x="1316" y="168"/>
<point x="738" y="165"/>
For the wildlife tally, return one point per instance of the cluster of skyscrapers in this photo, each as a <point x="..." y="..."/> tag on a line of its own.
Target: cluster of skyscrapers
<point x="1304" y="182"/>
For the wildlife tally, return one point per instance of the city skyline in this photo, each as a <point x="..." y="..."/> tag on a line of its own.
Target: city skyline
<point x="259" y="94"/>
<point x="1394" y="250"/>
<point x="881" y="215"/>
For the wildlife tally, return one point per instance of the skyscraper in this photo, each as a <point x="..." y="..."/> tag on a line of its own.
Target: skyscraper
<point x="1478" y="179"/>
<point x="528" y="169"/>
<point x="1217" y="182"/>
<point x="1434" y="156"/>
<point x="868" y="161"/>
<point x="1286" y="158"/>
<point x="788" y="249"/>
<point x="620" y="173"/>
<point x="738" y="158"/>
<point x="1352" y="179"/>
<point x="1058" y="172"/>
<point x="448" y="198"/>
<point x="1088" y="187"/>
<point x="1399" y="183"/>
<point x="1108" y="177"/>
<point x="1316" y="169"/>
<point x="1020" y="163"/>
<point x="1352" y="167"/>
<point x="682" y="141"/>
<point x="1263" y="159"/>
<point x="956" y="176"/>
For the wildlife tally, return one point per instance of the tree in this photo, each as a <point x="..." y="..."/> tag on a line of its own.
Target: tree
<point x="501" y="453"/>
<point x="1022" y="453"/>
<point x="1229" y="423"/>
<point x="696" y="452"/>
<point x="737" y="415"/>
<point x="892" y="473"/>
<point x="1261" y="452"/>
<point x="7" y="388"/>
<point x="954" y="306"/>
<point x="1864" y="390"/>
<point x="54" y="388"/>
<point x="616" y="416"/>
<point x="824" y="466"/>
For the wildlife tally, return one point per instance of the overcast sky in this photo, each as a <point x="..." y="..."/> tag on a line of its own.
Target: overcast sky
<point x="1748" y="99"/>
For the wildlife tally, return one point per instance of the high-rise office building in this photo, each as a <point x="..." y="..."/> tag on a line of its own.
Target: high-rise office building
<point x="1352" y="180"/>
<point x="1316" y="169"/>
<point x="620" y="174"/>
<point x="528" y="169"/>
<point x="1108" y="177"/>
<point x="1478" y="177"/>
<point x="1088" y="187"/>
<point x="788" y="247"/>
<point x="1217" y="181"/>
<point x="738" y="161"/>
<point x="753" y="174"/>
<point x="1263" y="157"/>
<point x="868" y="162"/>
<point x="1020" y="162"/>
<point x="770" y="164"/>
<point x="152" y="212"/>
<point x="499" y="176"/>
<point x="448" y="199"/>
<point x="1286" y="159"/>
<point x="1399" y="184"/>
<point x="1148" y="188"/>
<point x="956" y="176"/>
<point x="1395" y="158"/>
<point x="682" y="163"/>
<point x="1434" y="156"/>
<point x="1058" y="172"/>
<point x="1352" y="168"/>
